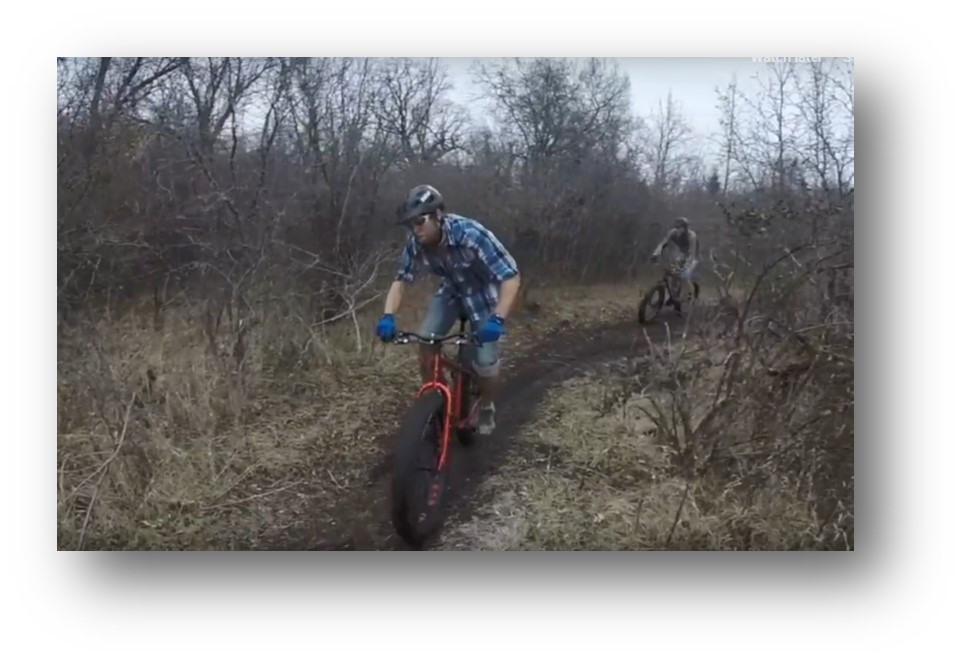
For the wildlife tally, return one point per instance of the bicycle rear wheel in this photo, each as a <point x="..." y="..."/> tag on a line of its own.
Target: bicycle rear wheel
<point x="417" y="488"/>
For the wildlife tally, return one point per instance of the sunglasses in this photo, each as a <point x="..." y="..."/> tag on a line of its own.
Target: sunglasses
<point x="420" y="220"/>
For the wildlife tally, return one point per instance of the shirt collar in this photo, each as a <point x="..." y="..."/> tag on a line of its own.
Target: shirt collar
<point x="447" y="228"/>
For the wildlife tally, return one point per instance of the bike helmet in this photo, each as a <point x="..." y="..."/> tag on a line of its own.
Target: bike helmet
<point x="420" y="201"/>
<point x="681" y="221"/>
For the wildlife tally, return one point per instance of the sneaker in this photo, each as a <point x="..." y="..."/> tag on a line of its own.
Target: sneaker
<point x="486" y="419"/>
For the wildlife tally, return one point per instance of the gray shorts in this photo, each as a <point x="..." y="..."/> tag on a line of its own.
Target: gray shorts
<point x="442" y="313"/>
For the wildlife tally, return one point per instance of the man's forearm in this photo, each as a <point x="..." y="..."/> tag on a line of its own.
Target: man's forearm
<point x="509" y="290"/>
<point x="394" y="297"/>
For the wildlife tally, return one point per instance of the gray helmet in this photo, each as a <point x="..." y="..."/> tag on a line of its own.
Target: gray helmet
<point x="420" y="201"/>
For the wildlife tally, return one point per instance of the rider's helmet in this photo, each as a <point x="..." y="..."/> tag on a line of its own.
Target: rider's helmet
<point x="420" y="201"/>
<point x="681" y="223"/>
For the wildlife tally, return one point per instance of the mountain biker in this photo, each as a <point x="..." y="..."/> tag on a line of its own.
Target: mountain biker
<point x="479" y="278"/>
<point x="685" y="249"/>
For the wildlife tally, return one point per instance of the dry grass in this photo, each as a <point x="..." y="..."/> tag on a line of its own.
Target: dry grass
<point x="591" y="474"/>
<point x="167" y="443"/>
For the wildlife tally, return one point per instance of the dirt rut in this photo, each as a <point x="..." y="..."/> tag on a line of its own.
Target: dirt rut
<point x="362" y="520"/>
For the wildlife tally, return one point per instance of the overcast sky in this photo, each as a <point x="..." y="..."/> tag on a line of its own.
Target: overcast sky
<point x="692" y="81"/>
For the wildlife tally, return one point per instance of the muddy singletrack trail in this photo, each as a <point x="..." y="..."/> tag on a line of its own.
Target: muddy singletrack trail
<point x="362" y="520"/>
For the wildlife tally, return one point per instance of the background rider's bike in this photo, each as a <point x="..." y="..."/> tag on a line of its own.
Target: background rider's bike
<point x="446" y="406"/>
<point x="666" y="291"/>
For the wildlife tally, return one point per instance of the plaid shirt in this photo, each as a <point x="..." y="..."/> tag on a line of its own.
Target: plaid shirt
<point x="472" y="264"/>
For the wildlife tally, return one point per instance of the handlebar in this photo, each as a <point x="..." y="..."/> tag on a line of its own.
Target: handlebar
<point x="670" y="266"/>
<point x="405" y="337"/>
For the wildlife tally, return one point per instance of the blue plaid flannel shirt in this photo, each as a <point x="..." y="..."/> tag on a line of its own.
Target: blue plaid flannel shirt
<point x="472" y="266"/>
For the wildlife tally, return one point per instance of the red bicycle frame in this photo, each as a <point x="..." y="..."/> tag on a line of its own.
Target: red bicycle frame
<point x="453" y="395"/>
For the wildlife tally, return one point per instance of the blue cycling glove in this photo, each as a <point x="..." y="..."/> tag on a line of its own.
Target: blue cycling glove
<point x="491" y="330"/>
<point x="386" y="328"/>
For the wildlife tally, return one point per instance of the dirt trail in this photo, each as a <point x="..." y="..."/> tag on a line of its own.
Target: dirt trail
<point x="362" y="522"/>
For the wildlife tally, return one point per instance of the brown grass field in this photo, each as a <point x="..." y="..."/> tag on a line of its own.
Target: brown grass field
<point x="168" y="444"/>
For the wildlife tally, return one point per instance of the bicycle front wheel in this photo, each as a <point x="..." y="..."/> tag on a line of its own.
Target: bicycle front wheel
<point x="652" y="303"/>
<point x="418" y="487"/>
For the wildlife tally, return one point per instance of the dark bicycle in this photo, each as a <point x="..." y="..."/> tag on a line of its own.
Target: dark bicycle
<point x="665" y="292"/>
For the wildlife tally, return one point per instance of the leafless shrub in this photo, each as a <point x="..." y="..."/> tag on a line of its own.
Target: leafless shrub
<point x="774" y="399"/>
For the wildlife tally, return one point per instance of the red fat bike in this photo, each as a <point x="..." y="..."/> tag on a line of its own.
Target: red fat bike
<point x="446" y="407"/>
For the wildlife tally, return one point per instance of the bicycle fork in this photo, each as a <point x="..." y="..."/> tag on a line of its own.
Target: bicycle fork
<point x="437" y="384"/>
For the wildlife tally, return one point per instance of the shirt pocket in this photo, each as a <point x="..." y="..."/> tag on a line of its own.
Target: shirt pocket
<point x="434" y="267"/>
<point x="477" y="272"/>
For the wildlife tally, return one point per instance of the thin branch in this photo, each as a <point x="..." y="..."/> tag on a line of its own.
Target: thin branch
<point x="103" y="469"/>
<point x="679" y="512"/>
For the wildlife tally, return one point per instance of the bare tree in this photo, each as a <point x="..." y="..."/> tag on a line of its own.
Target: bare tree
<point x="117" y="85"/>
<point x="827" y="147"/>
<point x="415" y="112"/>
<point x="553" y="107"/>
<point x="567" y="127"/>
<point x="218" y="87"/>
<point x="334" y="113"/>
<point x="669" y="138"/>
<point x="727" y="105"/>
<point x="773" y="128"/>
<point x="534" y="100"/>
